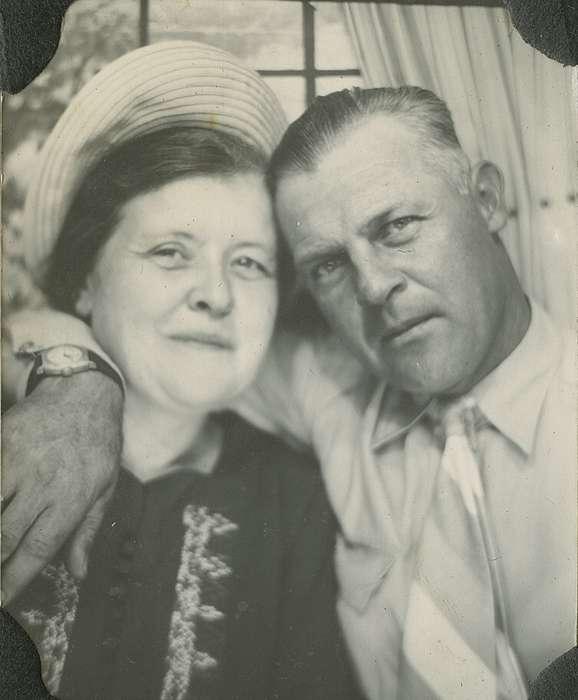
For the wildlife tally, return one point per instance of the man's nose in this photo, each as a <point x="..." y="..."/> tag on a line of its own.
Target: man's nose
<point x="376" y="279"/>
<point x="211" y="292"/>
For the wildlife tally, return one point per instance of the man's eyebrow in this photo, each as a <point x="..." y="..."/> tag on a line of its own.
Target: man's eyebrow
<point x="318" y="250"/>
<point x="376" y="222"/>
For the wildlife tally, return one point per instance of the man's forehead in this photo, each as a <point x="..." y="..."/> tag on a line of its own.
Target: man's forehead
<point x="376" y="157"/>
<point x="376" y="151"/>
<point x="379" y="137"/>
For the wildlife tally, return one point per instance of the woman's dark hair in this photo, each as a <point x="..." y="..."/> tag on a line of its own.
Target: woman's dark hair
<point x="136" y="167"/>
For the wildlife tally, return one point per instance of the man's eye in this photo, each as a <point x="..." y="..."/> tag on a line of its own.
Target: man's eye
<point x="327" y="270"/>
<point x="393" y="229"/>
<point x="401" y="223"/>
<point x="250" y="268"/>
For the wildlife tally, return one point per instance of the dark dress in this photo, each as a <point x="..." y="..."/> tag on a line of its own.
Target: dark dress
<point x="201" y="587"/>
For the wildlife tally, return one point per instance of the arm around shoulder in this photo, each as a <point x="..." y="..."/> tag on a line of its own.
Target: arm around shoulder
<point x="61" y="448"/>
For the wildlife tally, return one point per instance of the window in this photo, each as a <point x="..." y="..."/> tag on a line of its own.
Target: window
<point x="301" y="48"/>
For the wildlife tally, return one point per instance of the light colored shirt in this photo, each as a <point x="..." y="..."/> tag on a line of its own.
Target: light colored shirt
<point x="379" y="460"/>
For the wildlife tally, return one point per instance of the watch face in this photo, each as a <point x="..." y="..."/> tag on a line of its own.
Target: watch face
<point x="64" y="355"/>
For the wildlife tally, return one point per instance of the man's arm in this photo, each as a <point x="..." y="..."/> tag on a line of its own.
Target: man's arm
<point x="300" y="377"/>
<point x="60" y="454"/>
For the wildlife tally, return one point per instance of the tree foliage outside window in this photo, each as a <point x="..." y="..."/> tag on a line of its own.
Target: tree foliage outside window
<point x="94" y="33"/>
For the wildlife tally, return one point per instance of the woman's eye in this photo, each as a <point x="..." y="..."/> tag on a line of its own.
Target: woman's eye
<point x="169" y="256"/>
<point x="250" y="268"/>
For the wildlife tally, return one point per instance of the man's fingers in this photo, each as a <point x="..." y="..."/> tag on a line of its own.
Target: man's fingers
<point x="17" y="519"/>
<point x="10" y="476"/>
<point x="84" y="536"/>
<point x="8" y="484"/>
<point x="36" y="548"/>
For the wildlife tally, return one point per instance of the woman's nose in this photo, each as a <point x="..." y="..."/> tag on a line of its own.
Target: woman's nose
<point x="212" y="294"/>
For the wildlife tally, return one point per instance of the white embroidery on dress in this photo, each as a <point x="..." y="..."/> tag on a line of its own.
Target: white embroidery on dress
<point x="196" y="567"/>
<point x="56" y="628"/>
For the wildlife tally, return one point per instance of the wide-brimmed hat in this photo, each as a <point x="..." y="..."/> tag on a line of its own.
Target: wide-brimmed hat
<point x="180" y="83"/>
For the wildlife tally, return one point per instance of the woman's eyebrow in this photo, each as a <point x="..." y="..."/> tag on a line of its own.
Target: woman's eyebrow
<point x="268" y="248"/>
<point x="155" y="234"/>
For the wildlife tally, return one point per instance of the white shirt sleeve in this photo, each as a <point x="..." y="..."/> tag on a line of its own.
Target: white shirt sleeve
<point x="298" y="378"/>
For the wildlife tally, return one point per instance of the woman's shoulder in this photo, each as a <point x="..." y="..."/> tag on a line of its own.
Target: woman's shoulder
<point x="247" y="445"/>
<point x="292" y="475"/>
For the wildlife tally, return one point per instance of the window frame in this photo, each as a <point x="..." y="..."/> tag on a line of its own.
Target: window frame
<point x="309" y="72"/>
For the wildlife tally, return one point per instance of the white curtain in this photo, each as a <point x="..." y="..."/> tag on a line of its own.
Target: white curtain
<point x="511" y="105"/>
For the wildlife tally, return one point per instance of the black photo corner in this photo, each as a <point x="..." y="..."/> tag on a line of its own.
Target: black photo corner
<point x="29" y="37"/>
<point x="30" y="32"/>
<point x="20" y="677"/>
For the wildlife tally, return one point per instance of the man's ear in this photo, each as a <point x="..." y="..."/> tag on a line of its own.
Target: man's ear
<point x="84" y="301"/>
<point x="487" y="188"/>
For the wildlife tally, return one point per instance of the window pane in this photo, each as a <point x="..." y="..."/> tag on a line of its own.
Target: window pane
<point x="337" y="82"/>
<point x="265" y="34"/>
<point x="291" y="94"/>
<point x="333" y="47"/>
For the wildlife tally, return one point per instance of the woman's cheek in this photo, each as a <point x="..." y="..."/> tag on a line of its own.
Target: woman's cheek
<point x="262" y="305"/>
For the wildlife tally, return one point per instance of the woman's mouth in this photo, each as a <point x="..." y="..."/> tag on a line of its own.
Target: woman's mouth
<point x="209" y="339"/>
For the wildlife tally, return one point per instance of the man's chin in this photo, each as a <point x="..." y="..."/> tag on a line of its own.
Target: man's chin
<point x="415" y="379"/>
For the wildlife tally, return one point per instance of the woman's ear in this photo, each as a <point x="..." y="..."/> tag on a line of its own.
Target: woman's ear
<point x="487" y="188"/>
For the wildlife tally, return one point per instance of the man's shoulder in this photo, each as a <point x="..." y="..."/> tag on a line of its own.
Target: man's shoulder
<point x="568" y="357"/>
<point x="559" y="411"/>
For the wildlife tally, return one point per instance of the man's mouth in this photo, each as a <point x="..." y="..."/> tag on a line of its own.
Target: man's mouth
<point x="405" y="330"/>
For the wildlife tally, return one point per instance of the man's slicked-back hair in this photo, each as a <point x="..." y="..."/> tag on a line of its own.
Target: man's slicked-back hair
<point x="311" y="136"/>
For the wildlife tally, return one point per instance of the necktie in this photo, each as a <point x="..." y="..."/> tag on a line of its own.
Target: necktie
<point x="455" y="643"/>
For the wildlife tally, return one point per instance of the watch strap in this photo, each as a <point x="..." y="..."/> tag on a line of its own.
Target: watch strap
<point x="97" y="365"/>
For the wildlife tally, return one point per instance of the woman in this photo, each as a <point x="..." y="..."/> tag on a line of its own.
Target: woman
<point x="211" y="576"/>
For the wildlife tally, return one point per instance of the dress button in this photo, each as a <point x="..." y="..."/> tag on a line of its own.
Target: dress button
<point x="128" y="547"/>
<point x="110" y="643"/>
<point x="124" y="566"/>
<point x="116" y="591"/>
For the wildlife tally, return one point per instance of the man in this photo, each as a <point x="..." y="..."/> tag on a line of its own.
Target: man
<point x="395" y="237"/>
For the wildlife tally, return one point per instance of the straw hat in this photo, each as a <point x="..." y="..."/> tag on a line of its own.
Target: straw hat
<point x="169" y="83"/>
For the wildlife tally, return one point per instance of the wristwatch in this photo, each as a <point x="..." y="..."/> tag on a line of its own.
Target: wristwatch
<point x="65" y="360"/>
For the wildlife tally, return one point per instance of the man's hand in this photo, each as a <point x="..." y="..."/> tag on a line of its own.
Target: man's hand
<point x="60" y="454"/>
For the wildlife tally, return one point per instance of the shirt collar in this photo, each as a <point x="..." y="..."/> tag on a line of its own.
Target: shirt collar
<point x="510" y="397"/>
